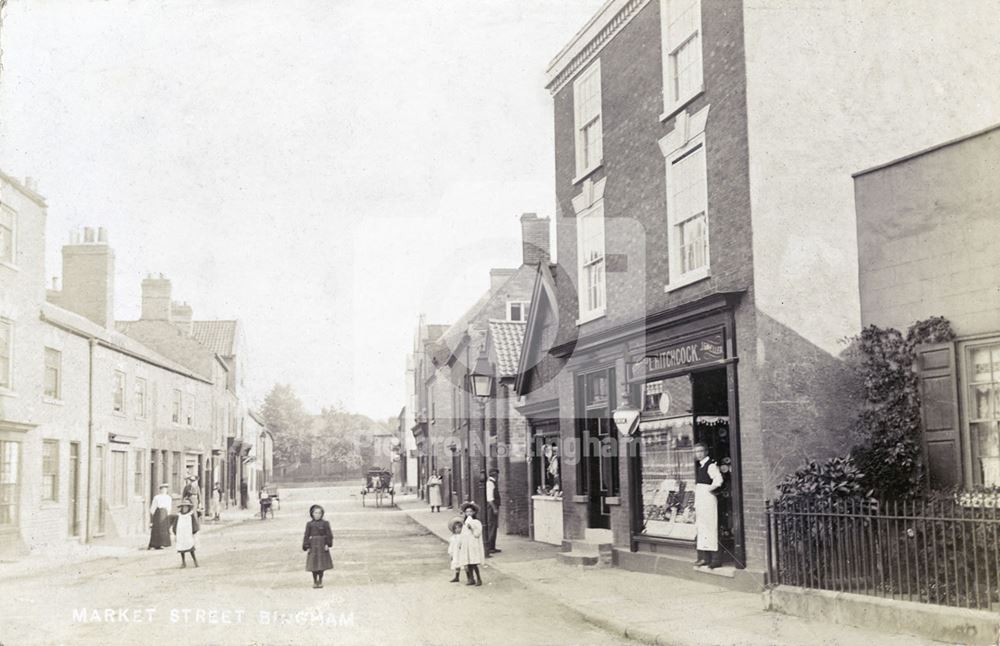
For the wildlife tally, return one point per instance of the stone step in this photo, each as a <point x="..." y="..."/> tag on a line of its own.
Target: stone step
<point x="578" y="559"/>
<point x="586" y="547"/>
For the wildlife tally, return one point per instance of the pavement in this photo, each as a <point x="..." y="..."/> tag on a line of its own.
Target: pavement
<point x="653" y="608"/>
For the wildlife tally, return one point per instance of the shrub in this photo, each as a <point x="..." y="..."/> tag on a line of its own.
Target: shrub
<point x="823" y="483"/>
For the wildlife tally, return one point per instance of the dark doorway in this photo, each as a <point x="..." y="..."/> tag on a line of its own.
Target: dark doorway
<point x="710" y="394"/>
<point x="599" y="445"/>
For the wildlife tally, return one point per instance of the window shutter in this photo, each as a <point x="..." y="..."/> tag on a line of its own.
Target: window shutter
<point x="939" y="414"/>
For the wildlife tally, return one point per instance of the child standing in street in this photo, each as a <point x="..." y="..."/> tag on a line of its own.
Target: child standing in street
<point x="184" y="526"/>
<point x="455" y="525"/>
<point x="470" y="547"/>
<point x="317" y="541"/>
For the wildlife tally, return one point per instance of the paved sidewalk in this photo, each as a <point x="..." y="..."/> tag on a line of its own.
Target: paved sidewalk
<point x="657" y="609"/>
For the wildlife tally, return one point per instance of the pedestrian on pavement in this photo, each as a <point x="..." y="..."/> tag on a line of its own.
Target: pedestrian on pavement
<point x="434" y="491"/>
<point x="470" y="546"/>
<point x="265" y="503"/>
<point x="192" y="492"/>
<point x="244" y="494"/>
<point x="217" y="499"/>
<point x="159" y="525"/>
<point x="492" y="511"/>
<point x="454" y="543"/>
<point x="317" y="541"/>
<point x="707" y="480"/>
<point x="184" y="526"/>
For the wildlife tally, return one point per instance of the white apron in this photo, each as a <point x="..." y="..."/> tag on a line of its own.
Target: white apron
<point x="706" y="511"/>
<point x="184" y="533"/>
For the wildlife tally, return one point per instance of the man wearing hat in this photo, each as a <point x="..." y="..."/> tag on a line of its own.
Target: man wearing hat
<point x="184" y="526"/>
<point x="193" y="493"/>
<point x="492" y="511"/>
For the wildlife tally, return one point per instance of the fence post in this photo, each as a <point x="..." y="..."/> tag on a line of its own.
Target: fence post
<point x="769" y="578"/>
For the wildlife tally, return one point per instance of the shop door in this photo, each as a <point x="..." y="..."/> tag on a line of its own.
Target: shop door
<point x="599" y="443"/>
<point x="711" y="428"/>
<point x="74" y="488"/>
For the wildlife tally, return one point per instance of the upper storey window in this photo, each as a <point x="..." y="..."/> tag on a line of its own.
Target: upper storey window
<point x="682" y="68"/>
<point x="587" y="118"/>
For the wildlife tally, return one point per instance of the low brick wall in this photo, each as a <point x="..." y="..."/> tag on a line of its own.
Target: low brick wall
<point x="950" y="625"/>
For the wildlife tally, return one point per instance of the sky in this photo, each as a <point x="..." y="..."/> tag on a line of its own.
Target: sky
<point x="324" y="171"/>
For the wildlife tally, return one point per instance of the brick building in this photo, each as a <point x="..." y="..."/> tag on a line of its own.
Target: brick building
<point x="449" y="421"/>
<point x="707" y="259"/>
<point x="928" y="227"/>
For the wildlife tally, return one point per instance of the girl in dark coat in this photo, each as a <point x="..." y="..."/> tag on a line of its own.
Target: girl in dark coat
<point x="317" y="541"/>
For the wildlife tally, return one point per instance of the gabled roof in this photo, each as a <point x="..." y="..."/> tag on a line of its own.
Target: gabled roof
<point x="170" y="341"/>
<point x="543" y="299"/>
<point x="503" y="341"/>
<point x="217" y="336"/>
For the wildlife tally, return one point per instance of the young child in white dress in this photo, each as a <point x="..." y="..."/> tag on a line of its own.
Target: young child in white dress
<point x="455" y="525"/>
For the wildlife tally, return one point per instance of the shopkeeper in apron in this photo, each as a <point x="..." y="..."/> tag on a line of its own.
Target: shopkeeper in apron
<point x="707" y="480"/>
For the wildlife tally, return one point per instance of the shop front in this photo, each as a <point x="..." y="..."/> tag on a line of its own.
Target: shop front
<point x="683" y="380"/>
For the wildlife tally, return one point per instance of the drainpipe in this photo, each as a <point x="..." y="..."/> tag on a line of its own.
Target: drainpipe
<point x="90" y="436"/>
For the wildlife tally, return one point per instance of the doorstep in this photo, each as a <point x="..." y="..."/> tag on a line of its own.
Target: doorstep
<point x="739" y="580"/>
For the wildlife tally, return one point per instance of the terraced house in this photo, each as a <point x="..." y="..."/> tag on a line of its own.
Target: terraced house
<point x="92" y="421"/>
<point x="708" y="267"/>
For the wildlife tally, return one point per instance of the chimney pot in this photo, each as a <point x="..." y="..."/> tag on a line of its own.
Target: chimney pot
<point x="102" y="235"/>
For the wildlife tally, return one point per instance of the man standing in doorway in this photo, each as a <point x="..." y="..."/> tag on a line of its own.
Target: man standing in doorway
<point x="492" y="512"/>
<point x="707" y="480"/>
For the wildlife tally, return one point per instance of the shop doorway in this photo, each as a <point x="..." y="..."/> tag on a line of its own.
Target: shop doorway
<point x="710" y="399"/>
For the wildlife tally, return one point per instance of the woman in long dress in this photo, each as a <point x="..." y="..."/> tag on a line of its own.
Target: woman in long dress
<point x="434" y="491"/>
<point x="185" y="526"/>
<point x="159" y="526"/>
<point x="470" y="546"/>
<point x="317" y="541"/>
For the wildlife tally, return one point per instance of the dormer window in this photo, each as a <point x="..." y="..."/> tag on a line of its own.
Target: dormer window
<point x="517" y="310"/>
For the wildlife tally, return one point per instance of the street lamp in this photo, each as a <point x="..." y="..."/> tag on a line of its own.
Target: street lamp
<point x="482" y="387"/>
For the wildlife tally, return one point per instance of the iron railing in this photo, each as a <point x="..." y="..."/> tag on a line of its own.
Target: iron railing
<point x="941" y="552"/>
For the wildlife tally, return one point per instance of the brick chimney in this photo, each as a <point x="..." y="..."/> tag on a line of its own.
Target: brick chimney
<point x="183" y="317"/>
<point x="88" y="270"/>
<point x="156" y="304"/>
<point x="534" y="239"/>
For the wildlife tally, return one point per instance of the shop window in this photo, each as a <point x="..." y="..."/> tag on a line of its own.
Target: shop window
<point x="547" y="462"/>
<point x="983" y="397"/>
<point x="50" y="470"/>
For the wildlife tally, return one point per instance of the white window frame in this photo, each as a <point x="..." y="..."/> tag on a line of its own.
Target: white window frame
<point x="677" y="279"/>
<point x="588" y="313"/>
<point x="142" y="397"/>
<point x="966" y="420"/>
<point x="12" y="261"/>
<point x="7" y="380"/>
<point x="119" y="374"/>
<point x="582" y="167"/>
<point x="524" y="310"/>
<point x="673" y="100"/>
<point x="177" y="406"/>
<point x="53" y="473"/>
<point x="59" y="373"/>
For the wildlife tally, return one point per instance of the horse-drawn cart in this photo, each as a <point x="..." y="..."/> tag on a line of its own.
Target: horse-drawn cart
<point x="379" y="482"/>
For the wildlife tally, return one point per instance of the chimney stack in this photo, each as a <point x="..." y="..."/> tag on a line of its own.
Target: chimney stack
<point x="183" y="317"/>
<point x="156" y="304"/>
<point x="534" y="239"/>
<point x="89" y="278"/>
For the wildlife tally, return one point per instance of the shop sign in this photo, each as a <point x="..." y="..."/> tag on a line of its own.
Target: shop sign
<point x="679" y="356"/>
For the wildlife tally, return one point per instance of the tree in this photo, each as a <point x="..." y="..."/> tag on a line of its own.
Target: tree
<point x="287" y="421"/>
